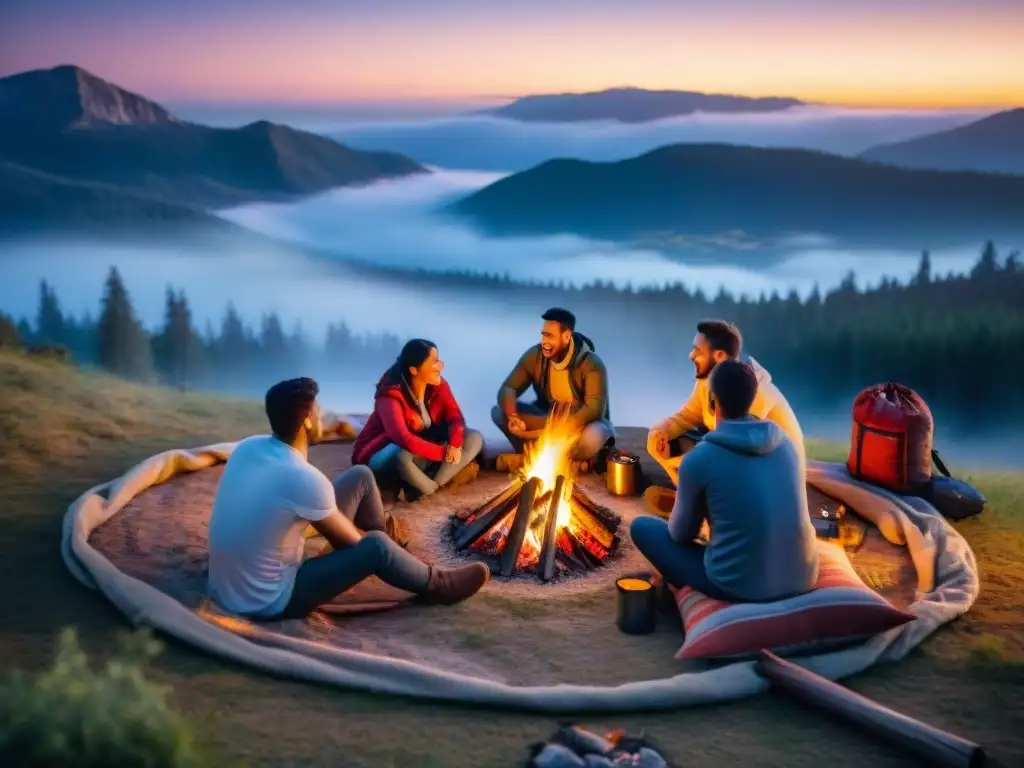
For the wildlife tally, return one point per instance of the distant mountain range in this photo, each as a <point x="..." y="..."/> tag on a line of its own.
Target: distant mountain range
<point x="98" y="149"/>
<point x="701" y="190"/>
<point x="994" y="144"/>
<point x="631" y="105"/>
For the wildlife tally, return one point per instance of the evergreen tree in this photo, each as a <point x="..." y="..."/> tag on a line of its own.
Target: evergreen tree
<point x="25" y="332"/>
<point x="124" y="348"/>
<point x="50" y="326"/>
<point x="988" y="264"/>
<point x="924" y="270"/>
<point x="273" y="343"/>
<point x="178" y="347"/>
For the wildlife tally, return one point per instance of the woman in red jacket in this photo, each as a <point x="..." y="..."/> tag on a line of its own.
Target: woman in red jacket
<point x="416" y="433"/>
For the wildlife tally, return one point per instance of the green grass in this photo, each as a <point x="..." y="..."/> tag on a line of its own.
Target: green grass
<point x="63" y="431"/>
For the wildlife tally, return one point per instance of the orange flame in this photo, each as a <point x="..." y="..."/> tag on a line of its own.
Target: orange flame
<point x="547" y="458"/>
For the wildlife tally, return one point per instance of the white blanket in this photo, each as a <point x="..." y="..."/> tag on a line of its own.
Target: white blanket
<point x="947" y="587"/>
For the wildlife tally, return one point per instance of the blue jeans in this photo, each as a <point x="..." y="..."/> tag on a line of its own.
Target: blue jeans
<point x="423" y="475"/>
<point x="321" y="579"/>
<point x="596" y="435"/>
<point x="681" y="565"/>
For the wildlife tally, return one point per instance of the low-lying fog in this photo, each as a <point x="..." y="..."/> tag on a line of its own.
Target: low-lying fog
<point x="394" y="223"/>
<point x="478" y="337"/>
<point x="432" y="134"/>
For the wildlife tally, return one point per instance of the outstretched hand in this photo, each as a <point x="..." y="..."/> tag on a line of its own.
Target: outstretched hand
<point x="453" y="454"/>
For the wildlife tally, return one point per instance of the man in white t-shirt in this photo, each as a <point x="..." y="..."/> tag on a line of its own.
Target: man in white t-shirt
<point x="268" y="495"/>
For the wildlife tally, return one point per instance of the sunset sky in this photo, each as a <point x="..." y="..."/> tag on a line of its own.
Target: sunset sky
<point x="891" y="53"/>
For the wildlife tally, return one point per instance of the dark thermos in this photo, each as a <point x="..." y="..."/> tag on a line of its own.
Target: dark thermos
<point x="637" y="607"/>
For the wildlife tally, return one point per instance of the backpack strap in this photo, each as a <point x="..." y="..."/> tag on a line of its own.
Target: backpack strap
<point x="939" y="463"/>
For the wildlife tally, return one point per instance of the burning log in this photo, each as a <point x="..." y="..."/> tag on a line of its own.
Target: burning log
<point x="498" y="501"/>
<point x="542" y="521"/>
<point x="514" y="542"/>
<point x="607" y="518"/>
<point x="549" y="547"/>
<point x="494" y="511"/>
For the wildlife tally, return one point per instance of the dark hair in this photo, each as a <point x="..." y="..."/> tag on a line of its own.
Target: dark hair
<point x="733" y="384"/>
<point x="563" y="317"/>
<point x="288" y="404"/>
<point x="721" y="336"/>
<point x="413" y="355"/>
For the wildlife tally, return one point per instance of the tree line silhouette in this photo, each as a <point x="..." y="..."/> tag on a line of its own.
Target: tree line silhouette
<point x="233" y="358"/>
<point x="954" y="338"/>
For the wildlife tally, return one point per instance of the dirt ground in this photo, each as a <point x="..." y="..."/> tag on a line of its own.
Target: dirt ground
<point x="64" y="432"/>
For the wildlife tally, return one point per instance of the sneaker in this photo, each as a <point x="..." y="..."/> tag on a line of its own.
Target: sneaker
<point x="660" y="500"/>
<point x="447" y="586"/>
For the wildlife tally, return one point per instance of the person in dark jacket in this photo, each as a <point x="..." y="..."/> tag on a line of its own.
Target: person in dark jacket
<point x="565" y="373"/>
<point x="416" y="434"/>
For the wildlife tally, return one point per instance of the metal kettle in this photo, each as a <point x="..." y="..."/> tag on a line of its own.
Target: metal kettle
<point x="622" y="474"/>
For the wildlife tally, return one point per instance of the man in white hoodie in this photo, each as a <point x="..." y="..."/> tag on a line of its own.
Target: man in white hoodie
<point x="714" y="342"/>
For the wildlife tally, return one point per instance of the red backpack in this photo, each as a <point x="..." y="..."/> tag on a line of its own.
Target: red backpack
<point x="891" y="441"/>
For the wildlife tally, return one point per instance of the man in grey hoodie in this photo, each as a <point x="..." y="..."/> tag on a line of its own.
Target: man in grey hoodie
<point x="747" y="478"/>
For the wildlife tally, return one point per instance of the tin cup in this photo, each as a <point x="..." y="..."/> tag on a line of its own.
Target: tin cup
<point x="636" y="604"/>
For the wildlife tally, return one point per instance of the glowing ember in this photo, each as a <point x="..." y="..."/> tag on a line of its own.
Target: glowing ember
<point x="584" y="531"/>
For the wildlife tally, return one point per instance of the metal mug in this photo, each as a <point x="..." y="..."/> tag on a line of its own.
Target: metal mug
<point x="637" y="604"/>
<point x="622" y="473"/>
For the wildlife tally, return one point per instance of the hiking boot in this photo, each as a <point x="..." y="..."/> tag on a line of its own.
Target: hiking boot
<point x="465" y="476"/>
<point x="447" y="586"/>
<point x="660" y="500"/>
<point x="396" y="530"/>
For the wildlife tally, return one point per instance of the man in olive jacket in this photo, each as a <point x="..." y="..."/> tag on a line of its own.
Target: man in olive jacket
<point x="565" y="372"/>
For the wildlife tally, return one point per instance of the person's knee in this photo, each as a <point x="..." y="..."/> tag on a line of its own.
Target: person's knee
<point x="645" y="529"/>
<point x="362" y="474"/>
<point x="472" y="442"/>
<point x="498" y="416"/>
<point x="595" y="437"/>
<point x="358" y="476"/>
<point x="375" y="546"/>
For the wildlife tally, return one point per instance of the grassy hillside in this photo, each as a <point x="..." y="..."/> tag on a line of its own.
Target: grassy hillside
<point x="63" y="431"/>
<point x="56" y="418"/>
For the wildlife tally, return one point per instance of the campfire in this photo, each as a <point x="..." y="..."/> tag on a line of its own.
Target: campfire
<point x="542" y="521"/>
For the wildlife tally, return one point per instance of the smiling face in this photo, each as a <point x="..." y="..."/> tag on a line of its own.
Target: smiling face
<point x="705" y="359"/>
<point x="429" y="371"/>
<point x="554" y="340"/>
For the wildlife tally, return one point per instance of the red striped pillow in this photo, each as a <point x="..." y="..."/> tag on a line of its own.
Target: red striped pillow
<point x="839" y="610"/>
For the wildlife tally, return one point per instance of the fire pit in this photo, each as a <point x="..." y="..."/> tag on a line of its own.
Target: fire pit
<point x="542" y="521"/>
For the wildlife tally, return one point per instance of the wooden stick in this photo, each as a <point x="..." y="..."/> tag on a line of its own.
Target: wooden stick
<point x="481" y="523"/>
<point x="608" y="518"/>
<point x="936" y="747"/>
<point x="550" y="547"/>
<point x="514" y="541"/>
<point x="500" y="499"/>
<point x="594" y="526"/>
